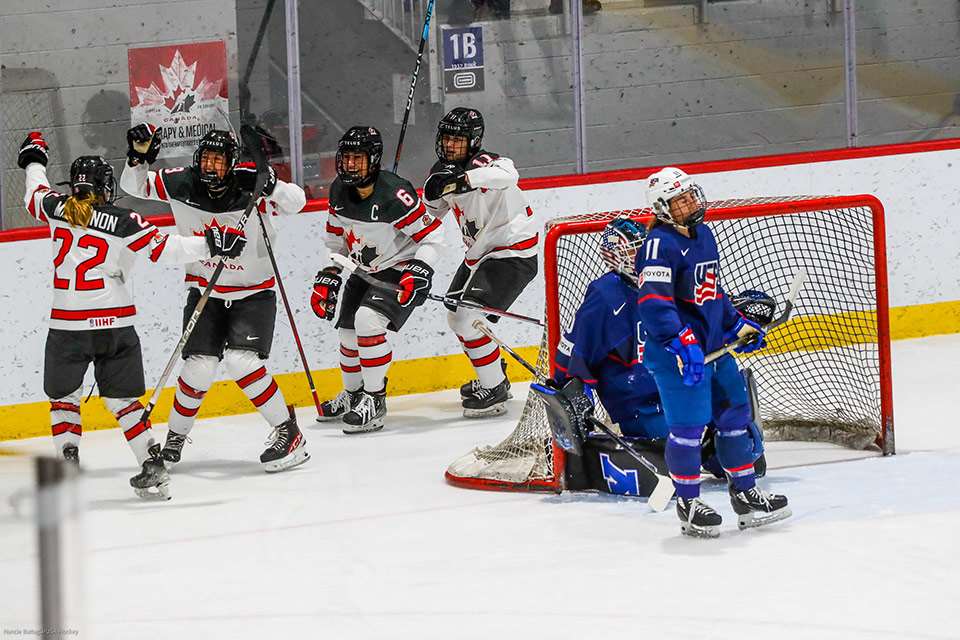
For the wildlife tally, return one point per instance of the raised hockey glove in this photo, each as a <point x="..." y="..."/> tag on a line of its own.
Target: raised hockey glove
<point x="448" y="179"/>
<point x="742" y="328"/>
<point x="143" y="144"/>
<point x="33" y="149"/>
<point x="414" y="283"/>
<point x="227" y="242"/>
<point x="689" y="356"/>
<point x="245" y="174"/>
<point x="326" y="291"/>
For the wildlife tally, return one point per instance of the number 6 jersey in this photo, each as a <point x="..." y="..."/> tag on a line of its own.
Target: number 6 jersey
<point x="92" y="265"/>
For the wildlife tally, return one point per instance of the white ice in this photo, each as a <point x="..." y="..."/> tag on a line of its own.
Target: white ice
<point x="367" y="541"/>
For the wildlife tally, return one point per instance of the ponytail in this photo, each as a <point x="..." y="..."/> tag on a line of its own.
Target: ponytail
<point x="78" y="209"/>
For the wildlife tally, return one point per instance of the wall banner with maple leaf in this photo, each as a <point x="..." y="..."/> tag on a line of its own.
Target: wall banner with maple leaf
<point x="181" y="89"/>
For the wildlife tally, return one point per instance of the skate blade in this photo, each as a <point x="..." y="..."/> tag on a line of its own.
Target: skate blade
<point x="161" y="492"/>
<point x="374" y="425"/>
<point x="489" y="412"/>
<point x="756" y="519"/>
<point x="700" y="532"/>
<point x="291" y="460"/>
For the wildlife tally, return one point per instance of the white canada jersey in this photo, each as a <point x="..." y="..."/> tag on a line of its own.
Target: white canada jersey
<point x="494" y="217"/>
<point x="193" y="209"/>
<point x="92" y="266"/>
<point x="389" y="227"/>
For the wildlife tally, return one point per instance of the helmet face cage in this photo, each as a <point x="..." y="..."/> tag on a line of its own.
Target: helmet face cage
<point x="668" y="184"/>
<point x="619" y="243"/>
<point x="217" y="141"/>
<point x="365" y="140"/>
<point x="92" y="174"/>
<point x="464" y="122"/>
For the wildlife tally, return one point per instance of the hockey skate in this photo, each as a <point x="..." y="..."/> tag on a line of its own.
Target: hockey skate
<point x="153" y="481"/>
<point x="286" y="447"/>
<point x="468" y="389"/>
<point x="697" y="518"/>
<point x="337" y="407"/>
<point x="173" y="447"/>
<point x="367" y="414"/>
<point x="487" y="402"/>
<point x="757" y="508"/>
<point x="71" y="454"/>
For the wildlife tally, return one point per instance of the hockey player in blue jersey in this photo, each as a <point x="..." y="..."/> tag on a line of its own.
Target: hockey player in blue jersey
<point x="686" y="314"/>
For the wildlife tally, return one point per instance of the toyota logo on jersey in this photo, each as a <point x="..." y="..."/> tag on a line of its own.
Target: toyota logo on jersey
<point x="706" y="277"/>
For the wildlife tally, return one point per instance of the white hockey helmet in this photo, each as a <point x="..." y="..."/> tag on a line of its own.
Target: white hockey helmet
<point x="670" y="183"/>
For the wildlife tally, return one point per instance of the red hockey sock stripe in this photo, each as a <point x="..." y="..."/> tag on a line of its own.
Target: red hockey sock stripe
<point x="184" y="411"/>
<point x="189" y="391"/>
<point x="376" y="362"/>
<point x="475" y="343"/>
<point x="250" y="378"/>
<point x="262" y="399"/>
<point x="130" y="408"/>
<point x="136" y="430"/>
<point x="493" y="356"/>
<point x="350" y="368"/>
<point x="64" y="406"/>
<point x="66" y="427"/>
<point x="350" y="353"/>
<point x="371" y="341"/>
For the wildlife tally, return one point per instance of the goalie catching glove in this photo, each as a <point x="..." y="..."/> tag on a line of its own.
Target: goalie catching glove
<point x="414" y="283"/>
<point x="143" y="144"/>
<point x="227" y="242"/>
<point x="326" y="291"/>
<point x="447" y="180"/>
<point x="689" y="355"/>
<point x="33" y="149"/>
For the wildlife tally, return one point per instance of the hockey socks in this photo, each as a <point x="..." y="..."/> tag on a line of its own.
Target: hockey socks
<point x="484" y="355"/>
<point x="65" y="421"/>
<point x="192" y="385"/>
<point x="683" y="459"/>
<point x="139" y="436"/>
<point x="251" y="375"/>
<point x="350" y="360"/>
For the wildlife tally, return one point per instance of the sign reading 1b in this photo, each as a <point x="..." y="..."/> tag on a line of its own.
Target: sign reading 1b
<point x="462" y="58"/>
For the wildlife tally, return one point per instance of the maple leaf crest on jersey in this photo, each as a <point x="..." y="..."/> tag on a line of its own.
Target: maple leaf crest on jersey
<point x="706" y="278"/>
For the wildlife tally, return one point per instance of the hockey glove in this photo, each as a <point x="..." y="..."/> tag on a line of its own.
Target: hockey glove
<point x="744" y="327"/>
<point x="326" y="291"/>
<point x="449" y="179"/>
<point x="143" y="144"/>
<point x="33" y="149"/>
<point x="414" y="283"/>
<point x="245" y="174"/>
<point x="227" y="242"/>
<point x="689" y="356"/>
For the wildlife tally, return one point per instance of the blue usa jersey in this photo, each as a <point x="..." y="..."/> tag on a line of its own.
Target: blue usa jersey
<point x="604" y="349"/>
<point x="680" y="285"/>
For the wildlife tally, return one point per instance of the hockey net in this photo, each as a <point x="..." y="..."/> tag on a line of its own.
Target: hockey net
<point x="823" y="376"/>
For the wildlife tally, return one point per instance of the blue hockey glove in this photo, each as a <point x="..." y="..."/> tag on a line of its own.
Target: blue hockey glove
<point x="689" y="356"/>
<point x="744" y="327"/>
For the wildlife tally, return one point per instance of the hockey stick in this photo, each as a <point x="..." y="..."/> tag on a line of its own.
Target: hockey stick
<point x="413" y="83"/>
<point x="249" y="139"/>
<point x="353" y="267"/>
<point x="661" y="495"/>
<point x="798" y="280"/>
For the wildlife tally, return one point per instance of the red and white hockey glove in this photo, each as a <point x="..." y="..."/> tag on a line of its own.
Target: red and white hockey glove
<point x="33" y="149"/>
<point x="414" y="283"/>
<point x="326" y="291"/>
<point x="689" y="355"/>
<point x="227" y="242"/>
<point x="143" y="144"/>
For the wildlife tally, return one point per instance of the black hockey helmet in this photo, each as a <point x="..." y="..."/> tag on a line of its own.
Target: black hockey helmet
<point x="465" y="122"/>
<point x="755" y="306"/>
<point x="218" y="141"/>
<point x="92" y="174"/>
<point x="364" y="140"/>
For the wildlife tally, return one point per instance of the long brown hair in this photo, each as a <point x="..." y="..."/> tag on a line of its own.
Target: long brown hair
<point x="78" y="209"/>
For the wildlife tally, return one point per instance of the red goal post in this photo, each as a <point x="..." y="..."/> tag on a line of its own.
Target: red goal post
<point x="824" y="376"/>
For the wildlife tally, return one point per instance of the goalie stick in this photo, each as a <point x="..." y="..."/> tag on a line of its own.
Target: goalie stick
<point x="798" y="280"/>
<point x="353" y="267"/>
<point x="252" y="142"/>
<point x="662" y="493"/>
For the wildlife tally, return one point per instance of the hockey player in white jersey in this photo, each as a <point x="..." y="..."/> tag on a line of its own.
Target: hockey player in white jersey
<point x="377" y="218"/>
<point x="95" y="245"/>
<point x="501" y="238"/>
<point x="237" y="324"/>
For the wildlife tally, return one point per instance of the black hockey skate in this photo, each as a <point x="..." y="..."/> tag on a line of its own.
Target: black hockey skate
<point x="286" y="447"/>
<point x="173" y="447"/>
<point x="367" y="414"/>
<point x="697" y="518"/>
<point x="468" y="389"/>
<point x="487" y="402"/>
<point x="153" y="481"/>
<point x="336" y="408"/>
<point x="757" y="508"/>
<point x="71" y="454"/>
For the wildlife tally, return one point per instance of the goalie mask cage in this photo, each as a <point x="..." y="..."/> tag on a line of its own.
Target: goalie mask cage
<point x="823" y="376"/>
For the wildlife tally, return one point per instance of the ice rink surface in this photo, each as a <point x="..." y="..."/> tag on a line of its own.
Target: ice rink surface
<point x="367" y="541"/>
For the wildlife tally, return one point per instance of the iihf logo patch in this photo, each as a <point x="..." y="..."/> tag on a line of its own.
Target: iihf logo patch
<point x="706" y="278"/>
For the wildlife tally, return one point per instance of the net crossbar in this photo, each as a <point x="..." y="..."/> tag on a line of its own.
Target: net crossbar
<point x="824" y="375"/>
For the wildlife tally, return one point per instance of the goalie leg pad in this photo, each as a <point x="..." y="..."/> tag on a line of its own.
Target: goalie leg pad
<point x="610" y="469"/>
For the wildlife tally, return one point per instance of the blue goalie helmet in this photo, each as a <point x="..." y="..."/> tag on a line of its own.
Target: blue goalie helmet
<point x="619" y="243"/>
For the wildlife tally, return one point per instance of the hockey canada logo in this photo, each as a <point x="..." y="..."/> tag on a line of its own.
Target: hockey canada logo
<point x="706" y="280"/>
